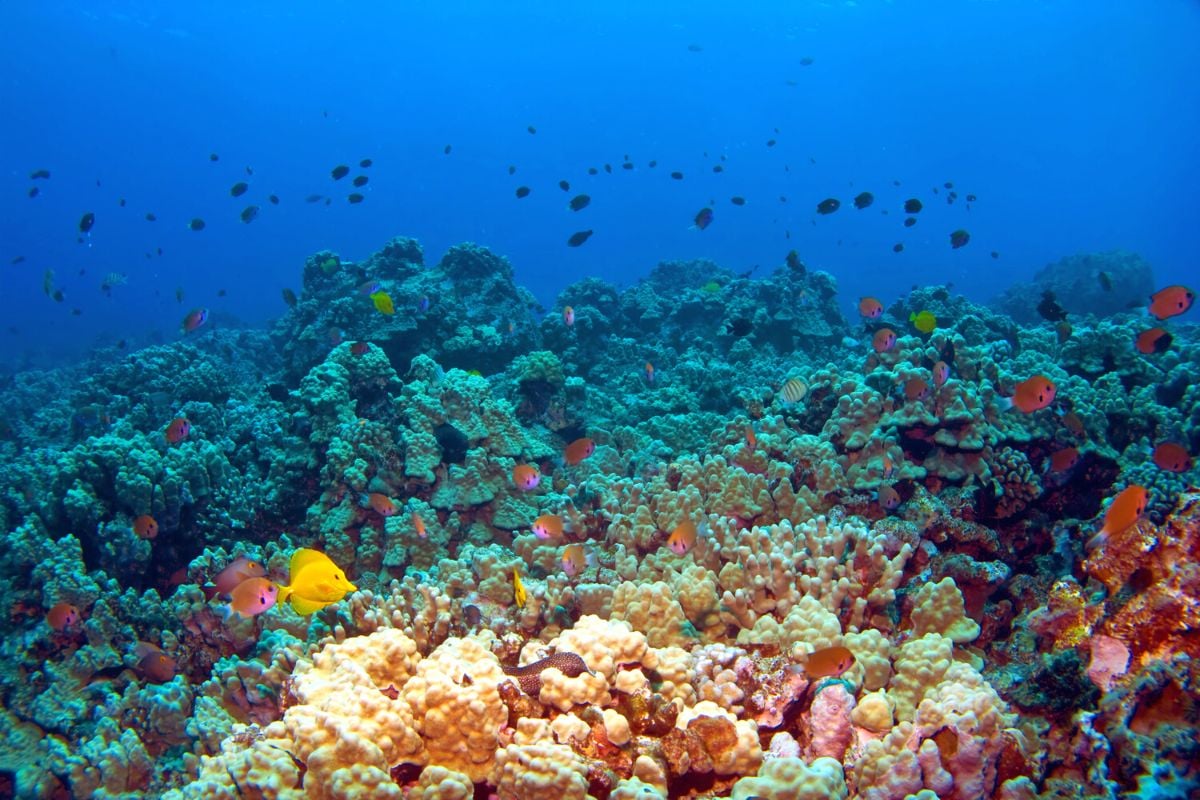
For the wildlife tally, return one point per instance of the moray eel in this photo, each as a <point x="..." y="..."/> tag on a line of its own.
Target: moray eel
<point x="530" y="676"/>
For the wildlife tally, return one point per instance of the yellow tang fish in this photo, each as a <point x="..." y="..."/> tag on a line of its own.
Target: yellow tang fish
<point x="925" y="321"/>
<point x="518" y="589"/>
<point x="383" y="303"/>
<point x="316" y="582"/>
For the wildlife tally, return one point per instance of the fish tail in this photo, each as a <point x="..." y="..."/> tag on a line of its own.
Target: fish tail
<point x="1004" y="403"/>
<point x="284" y="593"/>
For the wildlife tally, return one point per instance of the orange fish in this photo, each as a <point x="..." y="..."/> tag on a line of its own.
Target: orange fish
<point x="1064" y="459"/>
<point x="870" y="308"/>
<point x="568" y="316"/>
<point x="649" y="372"/>
<point x="1074" y="424"/>
<point x="144" y="527"/>
<point x="828" y="662"/>
<point x="916" y="389"/>
<point x="889" y="498"/>
<point x="575" y="559"/>
<point x="683" y="538"/>
<point x="1153" y="341"/>
<point x="751" y="439"/>
<point x="1125" y="510"/>
<point x="884" y="340"/>
<point x="1033" y="394"/>
<point x="63" y="616"/>
<point x="154" y="664"/>
<point x="195" y="318"/>
<point x="382" y="504"/>
<point x="419" y="524"/>
<point x="548" y="526"/>
<point x="578" y="450"/>
<point x="1172" y="457"/>
<point x="253" y="596"/>
<point x="178" y="430"/>
<point x="359" y="348"/>
<point x="1171" y="301"/>
<point x="240" y="570"/>
<point x="526" y="477"/>
<point x="941" y="374"/>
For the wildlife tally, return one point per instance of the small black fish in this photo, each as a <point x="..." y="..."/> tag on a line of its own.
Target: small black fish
<point x="677" y="176"/>
<point x="274" y="199"/>
<point x="863" y="200"/>
<point x="593" y="171"/>
<point x="794" y="263"/>
<point x="909" y="222"/>
<point x="738" y="200"/>
<point x="512" y="170"/>
<point x="249" y="213"/>
<point x="783" y="198"/>
<point x="151" y="218"/>
<point x="314" y="198"/>
<point x="39" y="174"/>
<point x="695" y="48"/>
<point x="532" y="130"/>
<point x="522" y="191"/>
<point x="86" y="222"/>
<point x="365" y="163"/>
<point x="160" y="249"/>
<point x="912" y="206"/>
<point x="970" y="198"/>
<point x="948" y="184"/>
<point x="178" y="294"/>
<point x="959" y="238"/>
<point x="249" y="171"/>
<point x="566" y="187"/>
<point x="995" y="254"/>
<point x="355" y="198"/>
<point x="579" y="202"/>
<point x="213" y="157"/>
<point x="339" y="172"/>
<point x="770" y="142"/>
<point x="121" y="202"/>
<point x="627" y="165"/>
<point x="718" y="168"/>
<point x="828" y="205"/>
<point x="472" y="615"/>
<point x="898" y="247"/>
<point x="76" y="312"/>
<point x="739" y="327"/>
<point x="578" y="238"/>
<point x="653" y="164"/>
<point x="608" y="168"/>
<point x="58" y="295"/>
<point x="328" y="201"/>
<point x="446" y="150"/>
<point x="1105" y="281"/>
<point x="17" y="259"/>
<point x="807" y="61"/>
<point x="289" y="297"/>
<point x="33" y="192"/>
<point x="360" y="181"/>
<point x="238" y="189"/>
<point x="221" y="292"/>
<point x="121" y="344"/>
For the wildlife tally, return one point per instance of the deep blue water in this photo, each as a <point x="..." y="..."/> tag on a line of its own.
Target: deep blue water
<point x="1075" y="123"/>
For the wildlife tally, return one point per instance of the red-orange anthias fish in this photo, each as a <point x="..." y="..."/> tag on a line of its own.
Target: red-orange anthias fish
<point x="1031" y="395"/>
<point x="1172" y="457"/>
<point x="63" y="616"/>
<point x="178" y="430"/>
<point x="381" y="504"/>
<point x="575" y="559"/>
<point x="883" y="340"/>
<point x="1064" y="459"/>
<point x="916" y="389"/>
<point x="153" y="664"/>
<point x="870" y="308"/>
<point x="1171" y="301"/>
<point x="253" y="596"/>
<point x="419" y="526"/>
<point x="145" y="527"/>
<point x="526" y="477"/>
<point x="941" y="374"/>
<point x="751" y="438"/>
<point x="360" y="348"/>
<point x="684" y="537"/>
<point x="1124" y="510"/>
<point x="828" y="662"/>
<point x="548" y="526"/>
<point x="648" y="371"/>
<point x="195" y="318"/>
<point x="568" y="316"/>
<point x="578" y="450"/>
<point x="889" y="498"/>
<point x="242" y="569"/>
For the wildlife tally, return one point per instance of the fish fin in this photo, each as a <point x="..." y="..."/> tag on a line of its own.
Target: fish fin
<point x="304" y="557"/>
<point x="1004" y="403"/>
<point x="284" y="593"/>
<point x="305" y="607"/>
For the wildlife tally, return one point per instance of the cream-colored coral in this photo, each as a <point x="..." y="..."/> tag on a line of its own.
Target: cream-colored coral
<point x="793" y="779"/>
<point x="457" y="707"/>
<point x="872" y="656"/>
<point x="439" y="783"/>
<point x="543" y="771"/>
<point x="267" y="768"/>
<point x="604" y="645"/>
<point x="874" y="712"/>
<point x="616" y="727"/>
<point x="920" y="665"/>
<point x="740" y="759"/>
<point x="886" y="769"/>
<point x="674" y="674"/>
<point x="653" y="609"/>
<point x="938" y="608"/>
<point x="809" y="626"/>
<point x="636" y="789"/>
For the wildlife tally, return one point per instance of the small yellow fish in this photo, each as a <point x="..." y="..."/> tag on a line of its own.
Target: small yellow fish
<point x="316" y="582"/>
<point x="925" y="321"/>
<point x="518" y="589"/>
<point x="383" y="303"/>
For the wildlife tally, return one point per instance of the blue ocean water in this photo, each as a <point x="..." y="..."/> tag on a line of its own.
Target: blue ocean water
<point x="1074" y="123"/>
